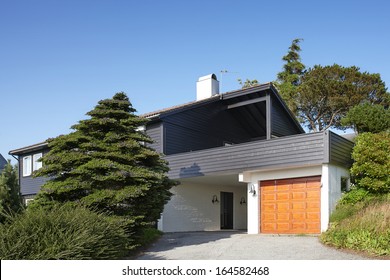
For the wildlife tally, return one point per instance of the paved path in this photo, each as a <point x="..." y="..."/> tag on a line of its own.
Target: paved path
<point x="230" y="245"/>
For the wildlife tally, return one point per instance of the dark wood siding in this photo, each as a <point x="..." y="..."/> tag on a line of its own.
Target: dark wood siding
<point x="297" y="150"/>
<point x="340" y="150"/>
<point x="281" y="122"/>
<point x="31" y="185"/>
<point x="204" y="127"/>
<point x="154" y="130"/>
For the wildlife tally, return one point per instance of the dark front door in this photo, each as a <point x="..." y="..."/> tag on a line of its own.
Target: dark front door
<point x="226" y="210"/>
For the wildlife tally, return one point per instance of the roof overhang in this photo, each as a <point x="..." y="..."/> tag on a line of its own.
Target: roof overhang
<point x="29" y="149"/>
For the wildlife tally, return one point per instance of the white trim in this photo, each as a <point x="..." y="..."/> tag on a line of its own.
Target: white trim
<point x="37" y="164"/>
<point x="27" y="166"/>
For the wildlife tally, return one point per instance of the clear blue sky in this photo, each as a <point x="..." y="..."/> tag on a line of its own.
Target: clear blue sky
<point x="59" y="58"/>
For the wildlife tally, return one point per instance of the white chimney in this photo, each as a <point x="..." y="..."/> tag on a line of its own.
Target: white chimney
<point x="207" y="86"/>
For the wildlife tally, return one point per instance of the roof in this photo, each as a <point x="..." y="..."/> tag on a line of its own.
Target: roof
<point x="207" y="100"/>
<point x="177" y="108"/>
<point x="27" y="149"/>
<point x="231" y="94"/>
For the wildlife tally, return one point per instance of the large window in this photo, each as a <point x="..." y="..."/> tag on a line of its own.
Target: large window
<point x="31" y="163"/>
<point x="27" y="168"/>
<point x="37" y="164"/>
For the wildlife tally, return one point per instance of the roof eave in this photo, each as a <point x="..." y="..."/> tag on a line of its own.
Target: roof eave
<point x="28" y="149"/>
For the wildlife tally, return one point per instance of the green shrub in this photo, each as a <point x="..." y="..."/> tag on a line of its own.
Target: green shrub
<point x="64" y="233"/>
<point x="371" y="167"/>
<point x="367" y="228"/>
<point x="354" y="196"/>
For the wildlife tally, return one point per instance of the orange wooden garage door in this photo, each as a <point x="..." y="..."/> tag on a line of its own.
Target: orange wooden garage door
<point x="290" y="205"/>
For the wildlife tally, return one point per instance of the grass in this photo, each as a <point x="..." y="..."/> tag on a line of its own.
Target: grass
<point x="361" y="226"/>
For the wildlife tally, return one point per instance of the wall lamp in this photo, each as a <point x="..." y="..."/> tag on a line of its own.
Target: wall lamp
<point x="242" y="201"/>
<point x="215" y="199"/>
<point x="252" y="190"/>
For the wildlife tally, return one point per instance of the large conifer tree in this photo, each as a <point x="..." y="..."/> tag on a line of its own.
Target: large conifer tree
<point x="105" y="164"/>
<point x="289" y="79"/>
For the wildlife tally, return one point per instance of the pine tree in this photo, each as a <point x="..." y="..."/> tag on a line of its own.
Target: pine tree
<point x="105" y="164"/>
<point x="289" y="79"/>
<point x="10" y="198"/>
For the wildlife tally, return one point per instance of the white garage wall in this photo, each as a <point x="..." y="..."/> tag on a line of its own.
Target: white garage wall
<point x="191" y="208"/>
<point x="331" y="190"/>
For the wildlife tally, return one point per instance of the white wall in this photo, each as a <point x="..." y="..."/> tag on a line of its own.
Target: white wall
<point x="191" y="208"/>
<point x="331" y="191"/>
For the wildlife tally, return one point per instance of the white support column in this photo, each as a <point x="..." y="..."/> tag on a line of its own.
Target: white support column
<point x="253" y="208"/>
<point x="325" y="181"/>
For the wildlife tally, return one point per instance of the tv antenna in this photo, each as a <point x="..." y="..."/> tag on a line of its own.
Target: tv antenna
<point x="222" y="72"/>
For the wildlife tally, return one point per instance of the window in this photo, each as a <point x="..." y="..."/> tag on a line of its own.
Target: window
<point x="37" y="164"/>
<point x="27" y="168"/>
<point x="345" y="184"/>
<point x="31" y="163"/>
<point x="28" y="200"/>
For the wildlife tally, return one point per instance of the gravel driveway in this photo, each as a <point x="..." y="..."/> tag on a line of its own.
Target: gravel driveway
<point x="229" y="245"/>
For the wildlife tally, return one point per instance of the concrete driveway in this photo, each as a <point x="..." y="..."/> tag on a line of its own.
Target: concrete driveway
<point x="228" y="245"/>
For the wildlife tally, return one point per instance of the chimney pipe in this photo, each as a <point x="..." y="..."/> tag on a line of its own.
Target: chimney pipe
<point x="207" y="86"/>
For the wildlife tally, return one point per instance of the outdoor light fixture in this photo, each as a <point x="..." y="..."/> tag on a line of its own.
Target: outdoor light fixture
<point x="215" y="199"/>
<point x="253" y="190"/>
<point x="242" y="201"/>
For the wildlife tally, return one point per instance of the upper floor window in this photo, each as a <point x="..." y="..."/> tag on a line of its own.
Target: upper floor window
<point x="37" y="164"/>
<point x="27" y="168"/>
<point x="31" y="163"/>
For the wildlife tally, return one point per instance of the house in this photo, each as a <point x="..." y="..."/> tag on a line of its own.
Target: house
<point x="243" y="161"/>
<point x="3" y="162"/>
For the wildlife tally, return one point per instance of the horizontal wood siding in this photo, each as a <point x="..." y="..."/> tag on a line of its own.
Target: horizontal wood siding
<point x="297" y="150"/>
<point x="154" y="131"/>
<point x="204" y="127"/>
<point x="31" y="185"/>
<point x="340" y="150"/>
<point x="281" y="122"/>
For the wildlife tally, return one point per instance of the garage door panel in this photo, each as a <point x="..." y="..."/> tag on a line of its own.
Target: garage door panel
<point x="283" y="216"/>
<point x="270" y="217"/>
<point x="283" y="226"/>
<point x="298" y="205"/>
<point x="299" y="216"/>
<point x="269" y="197"/>
<point x="290" y="205"/>
<point x="269" y="227"/>
<point x="313" y="194"/>
<point x="313" y="216"/>
<point x="299" y="195"/>
<point x="282" y="206"/>
<point x="282" y="196"/>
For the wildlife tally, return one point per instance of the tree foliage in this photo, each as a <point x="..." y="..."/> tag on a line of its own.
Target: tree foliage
<point x="248" y="83"/>
<point x="289" y="79"/>
<point x="10" y="198"/>
<point x="371" y="167"/>
<point x="106" y="165"/>
<point x="327" y="93"/>
<point x="367" y="118"/>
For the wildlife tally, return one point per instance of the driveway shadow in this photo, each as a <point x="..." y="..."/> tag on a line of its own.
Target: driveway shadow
<point x="172" y="241"/>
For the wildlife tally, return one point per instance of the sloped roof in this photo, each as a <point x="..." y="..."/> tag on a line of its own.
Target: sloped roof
<point x="207" y="100"/>
<point x="186" y="106"/>
<point x="27" y="149"/>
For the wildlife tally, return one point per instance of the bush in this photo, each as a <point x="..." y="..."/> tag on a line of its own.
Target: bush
<point x="371" y="167"/>
<point x="63" y="233"/>
<point x="366" y="228"/>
